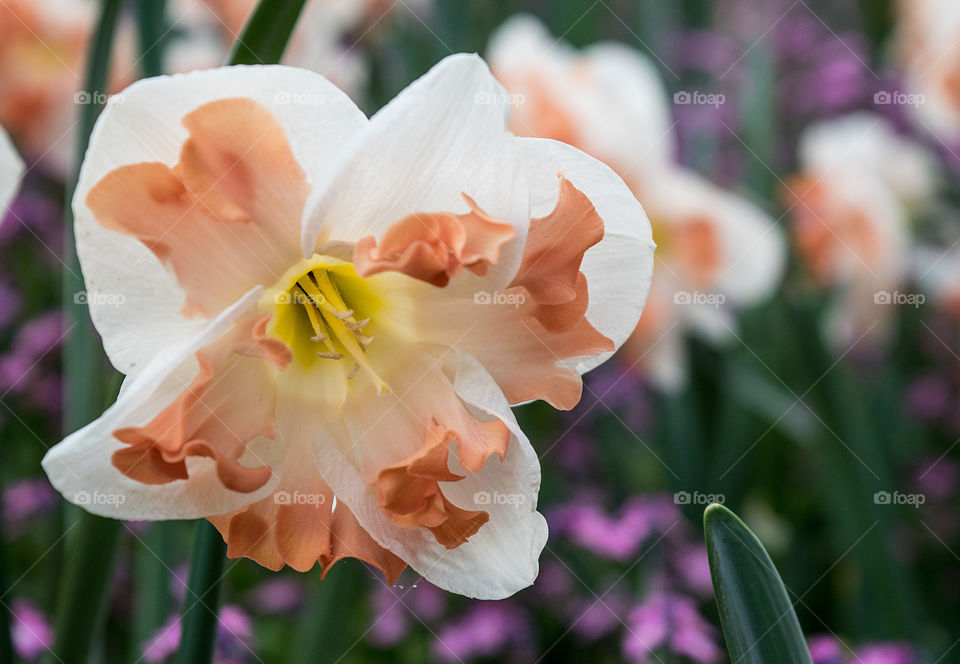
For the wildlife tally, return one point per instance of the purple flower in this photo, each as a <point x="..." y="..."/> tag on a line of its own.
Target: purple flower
<point x="670" y="621"/>
<point x="693" y="568"/>
<point x="937" y="478"/>
<point x="282" y="595"/>
<point x="24" y="499"/>
<point x="234" y="638"/>
<point x="825" y="649"/>
<point x="488" y="629"/>
<point x="617" y="538"/>
<point x="886" y="653"/>
<point x="30" y="630"/>
<point x="597" y="618"/>
<point x="929" y="398"/>
<point x="393" y="608"/>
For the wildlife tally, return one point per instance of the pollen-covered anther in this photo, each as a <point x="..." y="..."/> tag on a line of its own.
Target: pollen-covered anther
<point x="334" y="324"/>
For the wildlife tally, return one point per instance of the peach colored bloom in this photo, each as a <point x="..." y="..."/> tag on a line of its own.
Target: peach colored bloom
<point x="42" y="62"/>
<point x="926" y="49"/>
<point x="716" y="250"/>
<point x="312" y="307"/>
<point x="851" y="208"/>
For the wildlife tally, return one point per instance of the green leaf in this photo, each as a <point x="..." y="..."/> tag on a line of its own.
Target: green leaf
<point x="758" y="619"/>
<point x="266" y="33"/>
<point x="201" y="604"/>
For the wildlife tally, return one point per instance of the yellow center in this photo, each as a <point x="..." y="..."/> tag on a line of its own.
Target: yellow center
<point x="324" y="312"/>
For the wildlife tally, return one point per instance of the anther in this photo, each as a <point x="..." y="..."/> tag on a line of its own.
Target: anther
<point x="353" y="371"/>
<point x="332" y="356"/>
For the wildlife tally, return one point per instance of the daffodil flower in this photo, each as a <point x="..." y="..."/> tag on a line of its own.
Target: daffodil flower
<point x="324" y="319"/>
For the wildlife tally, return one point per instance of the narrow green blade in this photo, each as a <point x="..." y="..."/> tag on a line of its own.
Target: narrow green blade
<point x="267" y="32"/>
<point x="758" y="619"/>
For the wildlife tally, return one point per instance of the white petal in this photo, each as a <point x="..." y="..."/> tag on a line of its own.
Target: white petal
<point x="620" y="267"/>
<point x="11" y="170"/>
<point x="143" y="124"/>
<point x="443" y="136"/>
<point x="80" y="467"/>
<point x="502" y="557"/>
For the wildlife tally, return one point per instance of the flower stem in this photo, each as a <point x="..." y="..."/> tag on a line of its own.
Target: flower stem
<point x="266" y="33"/>
<point x="151" y="33"/>
<point x="202" y="602"/>
<point x="83" y="590"/>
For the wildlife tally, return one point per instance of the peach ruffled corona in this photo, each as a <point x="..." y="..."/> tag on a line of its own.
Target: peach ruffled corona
<point x="326" y="318"/>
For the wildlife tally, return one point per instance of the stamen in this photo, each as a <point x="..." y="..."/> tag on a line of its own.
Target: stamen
<point x="332" y="320"/>
<point x="353" y="371"/>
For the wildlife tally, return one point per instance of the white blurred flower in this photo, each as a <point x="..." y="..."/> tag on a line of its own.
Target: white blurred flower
<point x="716" y="252"/>
<point x="926" y="41"/>
<point x="851" y="206"/>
